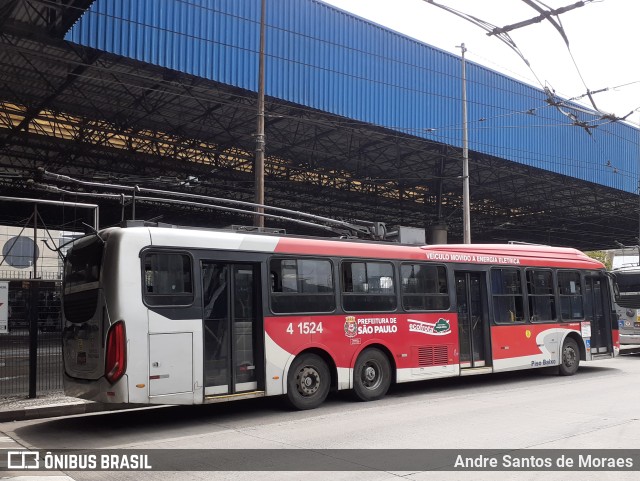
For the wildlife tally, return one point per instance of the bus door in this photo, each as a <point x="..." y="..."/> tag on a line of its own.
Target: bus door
<point x="473" y="319"/>
<point x="231" y="327"/>
<point x="598" y="309"/>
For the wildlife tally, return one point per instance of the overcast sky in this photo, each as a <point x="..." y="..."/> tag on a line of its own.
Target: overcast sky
<point x="603" y="37"/>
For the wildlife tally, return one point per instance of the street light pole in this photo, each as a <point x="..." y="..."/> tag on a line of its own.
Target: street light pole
<point x="466" y="204"/>
<point x="260" y="143"/>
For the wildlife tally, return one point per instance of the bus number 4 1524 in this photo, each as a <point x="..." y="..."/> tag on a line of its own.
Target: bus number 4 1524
<point x="306" y="328"/>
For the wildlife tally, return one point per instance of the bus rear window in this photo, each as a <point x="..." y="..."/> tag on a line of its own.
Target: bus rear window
<point x="82" y="267"/>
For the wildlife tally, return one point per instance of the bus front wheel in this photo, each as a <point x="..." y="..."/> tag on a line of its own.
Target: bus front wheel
<point x="308" y="382"/>
<point x="570" y="357"/>
<point x="371" y="375"/>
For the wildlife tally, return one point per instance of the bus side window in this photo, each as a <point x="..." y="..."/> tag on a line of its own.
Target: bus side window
<point x="506" y="287"/>
<point x="540" y="291"/>
<point x="302" y="286"/>
<point x="424" y="287"/>
<point x="368" y="286"/>
<point x="570" y="290"/>
<point x="167" y="279"/>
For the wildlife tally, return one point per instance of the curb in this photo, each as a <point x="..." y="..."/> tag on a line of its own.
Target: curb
<point x="40" y="412"/>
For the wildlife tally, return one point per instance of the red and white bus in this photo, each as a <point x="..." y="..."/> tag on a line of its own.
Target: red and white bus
<point x="183" y="316"/>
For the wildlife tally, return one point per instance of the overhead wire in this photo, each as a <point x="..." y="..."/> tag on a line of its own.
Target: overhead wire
<point x="548" y="14"/>
<point x="117" y="197"/>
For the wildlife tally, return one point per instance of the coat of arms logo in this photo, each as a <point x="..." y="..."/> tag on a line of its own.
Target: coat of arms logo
<point x="350" y="326"/>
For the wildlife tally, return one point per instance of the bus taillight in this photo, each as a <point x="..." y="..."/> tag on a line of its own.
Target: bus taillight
<point x="116" y="356"/>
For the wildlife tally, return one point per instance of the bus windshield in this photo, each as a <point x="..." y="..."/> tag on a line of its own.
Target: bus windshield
<point x="628" y="281"/>
<point x="627" y="289"/>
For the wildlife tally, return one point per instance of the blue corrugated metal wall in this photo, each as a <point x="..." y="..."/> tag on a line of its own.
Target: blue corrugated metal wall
<point x="325" y="58"/>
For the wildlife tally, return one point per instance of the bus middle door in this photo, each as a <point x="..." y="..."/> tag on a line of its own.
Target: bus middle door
<point x="598" y="312"/>
<point x="473" y="320"/>
<point x="231" y="328"/>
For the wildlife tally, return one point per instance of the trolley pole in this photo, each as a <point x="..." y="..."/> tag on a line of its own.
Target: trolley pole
<point x="260" y="143"/>
<point x="466" y="205"/>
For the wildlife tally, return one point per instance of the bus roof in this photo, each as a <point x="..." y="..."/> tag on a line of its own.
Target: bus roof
<point x="501" y="254"/>
<point x="494" y="254"/>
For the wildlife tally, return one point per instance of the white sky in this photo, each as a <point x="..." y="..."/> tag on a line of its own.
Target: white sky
<point x="604" y="37"/>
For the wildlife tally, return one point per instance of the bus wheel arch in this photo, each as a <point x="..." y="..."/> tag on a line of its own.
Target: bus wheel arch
<point x="571" y="353"/>
<point x="310" y="377"/>
<point x="373" y="373"/>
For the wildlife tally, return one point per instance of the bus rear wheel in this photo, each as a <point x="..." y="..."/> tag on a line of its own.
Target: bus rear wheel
<point x="308" y="382"/>
<point x="371" y="375"/>
<point x="570" y="357"/>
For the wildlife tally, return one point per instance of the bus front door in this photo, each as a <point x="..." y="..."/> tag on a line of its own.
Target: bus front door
<point x="599" y="312"/>
<point x="473" y="325"/>
<point x="231" y="327"/>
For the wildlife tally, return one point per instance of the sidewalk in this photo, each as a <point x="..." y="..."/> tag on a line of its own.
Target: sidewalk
<point x="48" y="405"/>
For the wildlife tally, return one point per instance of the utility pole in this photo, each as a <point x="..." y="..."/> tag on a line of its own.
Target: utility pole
<point x="33" y="312"/>
<point x="466" y="205"/>
<point x="260" y="143"/>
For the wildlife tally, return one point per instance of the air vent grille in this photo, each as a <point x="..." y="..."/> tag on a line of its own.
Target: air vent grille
<point x="433" y="355"/>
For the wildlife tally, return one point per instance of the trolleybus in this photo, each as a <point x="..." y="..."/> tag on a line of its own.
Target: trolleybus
<point x="163" y="315"/>
<point x="627" y="304"/>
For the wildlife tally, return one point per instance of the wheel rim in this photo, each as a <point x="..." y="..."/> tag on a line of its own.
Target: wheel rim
<point x="308" y="381"/>
<point x="371" y="375"/>
<point x="569" y="356"/>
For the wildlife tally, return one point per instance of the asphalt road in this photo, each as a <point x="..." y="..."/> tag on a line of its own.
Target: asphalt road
<point x="595" y="409"/>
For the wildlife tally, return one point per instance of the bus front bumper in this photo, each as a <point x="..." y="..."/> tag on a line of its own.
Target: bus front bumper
<point x="629" y="339"/>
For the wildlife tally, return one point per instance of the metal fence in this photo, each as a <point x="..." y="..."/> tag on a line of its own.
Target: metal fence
<point x="31" y="350"/>
<point x="31" y="263"/>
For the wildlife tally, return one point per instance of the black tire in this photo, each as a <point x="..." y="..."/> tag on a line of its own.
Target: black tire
<point x="371" y="375"/>
<point x="570" y="360"/>
<point x="308" y="382"/>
